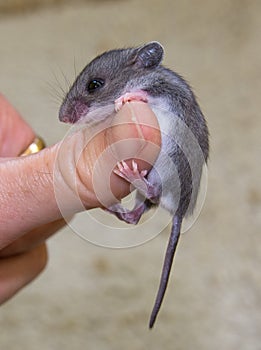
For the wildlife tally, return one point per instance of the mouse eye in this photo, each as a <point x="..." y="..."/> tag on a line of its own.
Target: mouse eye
<point x="94" y="84"/>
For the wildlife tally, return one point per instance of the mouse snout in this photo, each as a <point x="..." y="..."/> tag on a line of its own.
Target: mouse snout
<point x="72" y="112"/>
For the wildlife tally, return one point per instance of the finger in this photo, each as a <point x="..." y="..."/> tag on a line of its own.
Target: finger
<point x="15" y="133"/>
<point x="32" y="239"/>
<point x="16" y="272"/>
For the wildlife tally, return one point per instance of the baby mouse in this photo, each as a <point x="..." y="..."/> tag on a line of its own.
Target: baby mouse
<point x="122" y="75"/>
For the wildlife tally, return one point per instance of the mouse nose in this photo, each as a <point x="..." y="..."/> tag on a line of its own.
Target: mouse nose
<point x="73" y="111"/>
<point x="64" y="119"/>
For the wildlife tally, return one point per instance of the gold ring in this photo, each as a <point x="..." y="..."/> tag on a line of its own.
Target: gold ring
<point x="37" y="145"/>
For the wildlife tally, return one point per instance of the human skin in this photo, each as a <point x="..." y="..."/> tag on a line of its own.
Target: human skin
<point x="28" y="202"/>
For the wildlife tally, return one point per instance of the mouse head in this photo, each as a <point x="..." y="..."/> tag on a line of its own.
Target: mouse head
<point x="106" y="78"/>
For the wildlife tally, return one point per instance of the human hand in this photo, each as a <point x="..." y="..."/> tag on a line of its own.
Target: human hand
<point x="22" y="260"/>
<point x="28" y="201"/>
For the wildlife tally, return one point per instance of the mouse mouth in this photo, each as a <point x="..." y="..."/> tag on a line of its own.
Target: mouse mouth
<point x="73" y="113"/>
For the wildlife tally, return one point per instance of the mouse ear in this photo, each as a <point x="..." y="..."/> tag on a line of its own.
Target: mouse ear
<point x="149" y="55"/>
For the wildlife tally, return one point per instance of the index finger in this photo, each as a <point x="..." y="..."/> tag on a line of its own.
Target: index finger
<point x="15" y="133"/>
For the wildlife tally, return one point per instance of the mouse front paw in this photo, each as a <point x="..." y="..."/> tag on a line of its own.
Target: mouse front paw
<point x="133" y="176"/>
<point x="128" y="97"/>
<point x="138" y="180"/>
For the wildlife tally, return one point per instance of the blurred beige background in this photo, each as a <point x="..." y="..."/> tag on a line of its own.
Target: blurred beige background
<point x="95" y="298"/>
<point x="20" y="6"/>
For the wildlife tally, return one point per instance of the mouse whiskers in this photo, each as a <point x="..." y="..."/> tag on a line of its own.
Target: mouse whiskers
<point x="58" y="89"/>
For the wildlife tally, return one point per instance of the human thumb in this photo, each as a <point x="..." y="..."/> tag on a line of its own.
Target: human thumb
<point x="132" y="133"/>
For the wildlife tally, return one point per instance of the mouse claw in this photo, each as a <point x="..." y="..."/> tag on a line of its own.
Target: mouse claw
<point x="117" y="105"/>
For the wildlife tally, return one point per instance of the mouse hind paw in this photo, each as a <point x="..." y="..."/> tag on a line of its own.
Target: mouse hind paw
<point x="129" y="216"/>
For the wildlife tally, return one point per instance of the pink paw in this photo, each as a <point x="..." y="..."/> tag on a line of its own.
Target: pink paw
<point x="138" y="180"/>
<point x="130" y="175"/>
<point x="128" y="97"/>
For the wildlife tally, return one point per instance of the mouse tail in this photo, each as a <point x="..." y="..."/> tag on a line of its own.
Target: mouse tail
<point x="171" y="248"/>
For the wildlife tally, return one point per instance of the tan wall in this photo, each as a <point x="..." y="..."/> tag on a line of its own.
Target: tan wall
<point x="16" y="6"/>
